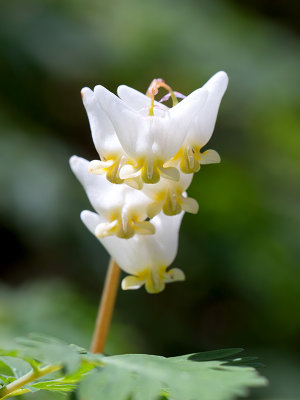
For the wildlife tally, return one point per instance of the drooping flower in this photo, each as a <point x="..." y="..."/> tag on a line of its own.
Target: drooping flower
<point x="122" y="208"/>
<point x="105" y="139"/>
<point x="145" y="258"/>
<point x="112" y="155"/>
<point x="171" y="197"/>
<point x="149" y="140"/>
<point x="201" y="128"/>
<point x="143" y="143"/>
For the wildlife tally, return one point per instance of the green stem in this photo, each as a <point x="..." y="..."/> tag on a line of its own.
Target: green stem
<point x="14" y="386"/>
<point x="16" y="393"/>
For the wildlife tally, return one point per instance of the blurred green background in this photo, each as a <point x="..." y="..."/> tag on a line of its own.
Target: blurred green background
<point x="240" y="253"/>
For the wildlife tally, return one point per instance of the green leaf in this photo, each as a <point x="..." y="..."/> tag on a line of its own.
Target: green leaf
<point x="210" y="355"/>
<point x="66" y="383"/>
<point x="212" y="375"/>
<point x="55" y="386"/>
<point x="147" y="377"/>
<point x="17" y="366"/>
<point x="5" y="370"/>
<point x="50" y="350"/>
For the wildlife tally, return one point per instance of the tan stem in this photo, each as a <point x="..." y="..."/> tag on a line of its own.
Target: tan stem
<point x="106" y="307"/>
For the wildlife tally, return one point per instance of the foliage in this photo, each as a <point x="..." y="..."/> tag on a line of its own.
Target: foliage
<point x="44" y="363"/>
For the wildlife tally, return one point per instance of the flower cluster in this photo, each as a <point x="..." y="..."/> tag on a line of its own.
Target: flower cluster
<point x="148" y="155"/>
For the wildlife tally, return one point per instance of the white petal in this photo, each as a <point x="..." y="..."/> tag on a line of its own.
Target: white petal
<point x="167" y="230"/>
<point x="136" y="201"/>
<point x="135" y="182"/>
<point x="105" y="229"/>
<point x="178" y="122"/>
<point x="175" y="274"/>
<point x="140" y="252"/>
<point x="144" y="228"/>
<point x="128" y="171"/>
<point x="185" y="181"/>
<point x="152" y="137"/>
<point x="157" y="190"/>
<point x="104" y="196"/>
<point x="210" y="157"/>
<point x="91" y="220"/>
<point x="99" y="167"/>
<point x="154" y="209"/>
<point x="190" y="205"/>
<point x="104" y="137"/>
<point x="139" y="101"/>
<point x="203" y="125"/>
<point x="131" y="283"/>
<point x="127" y="123"/>
<point x="170" y="173"/>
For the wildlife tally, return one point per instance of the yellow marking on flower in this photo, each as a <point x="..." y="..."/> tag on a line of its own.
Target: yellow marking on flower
<point x="172" y="202"/>
<point x="149" y="170"/>
<point x="154" y="279"/>
<point x="190" y="158"/>
<point x="124" y="226"/>
<point x="111" y="167"/>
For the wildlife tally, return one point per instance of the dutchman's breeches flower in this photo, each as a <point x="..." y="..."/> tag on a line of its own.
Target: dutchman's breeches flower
<point x="171" y="197"/>
<point x="200" y="130"/>
<point x="145" y="258"/>
<point x="123" y="209"/>
<point x="150" y="140"/>
<point x="105" y="139"/>
<point x="148" y="155"/>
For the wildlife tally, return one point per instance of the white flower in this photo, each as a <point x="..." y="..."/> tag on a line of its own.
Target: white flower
<point x="149" y="140"/>
<point x="171" y="197"/>
<point x="201" y="128"/>
<point x="146" y="258"/>
<point x="123" y="209"/>
<point x="105" y="139"/>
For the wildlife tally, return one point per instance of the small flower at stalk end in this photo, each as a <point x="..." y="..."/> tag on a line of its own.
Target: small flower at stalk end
<point x="122" y="208"/>
<point x="149" y="140"/>
<point x="190" y="157"/>
<point x="145" y="258"/>
<point x="170" y="197"/>
<point x="106" y="142"/>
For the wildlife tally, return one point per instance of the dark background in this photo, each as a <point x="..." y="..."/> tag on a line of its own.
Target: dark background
<point x="241" y="251"/>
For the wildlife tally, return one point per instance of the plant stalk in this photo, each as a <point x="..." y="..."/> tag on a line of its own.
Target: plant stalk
<point x="14" y="386"/>
<point x="106" y="307"/>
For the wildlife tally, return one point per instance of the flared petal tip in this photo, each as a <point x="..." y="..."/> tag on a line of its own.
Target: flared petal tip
<point x="219" y="80"/>
<point x="222" y="75"/>
<point x="85" y="92"/>
<point x="73" y="161"/>
<point x="84" y="215"/>
<point x="122" y="89"/>
<point x="90" y="220"/>
<point x="78" y="165"/>
<point x="101" y="91"/>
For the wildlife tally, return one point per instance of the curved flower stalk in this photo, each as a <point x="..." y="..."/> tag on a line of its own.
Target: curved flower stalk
<point x="122" y="209"/>
<point x="200" y="131"/>
<point x="150" y="140"/>
<point x="171" y="197"/>
<point x="145" y="258"/>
